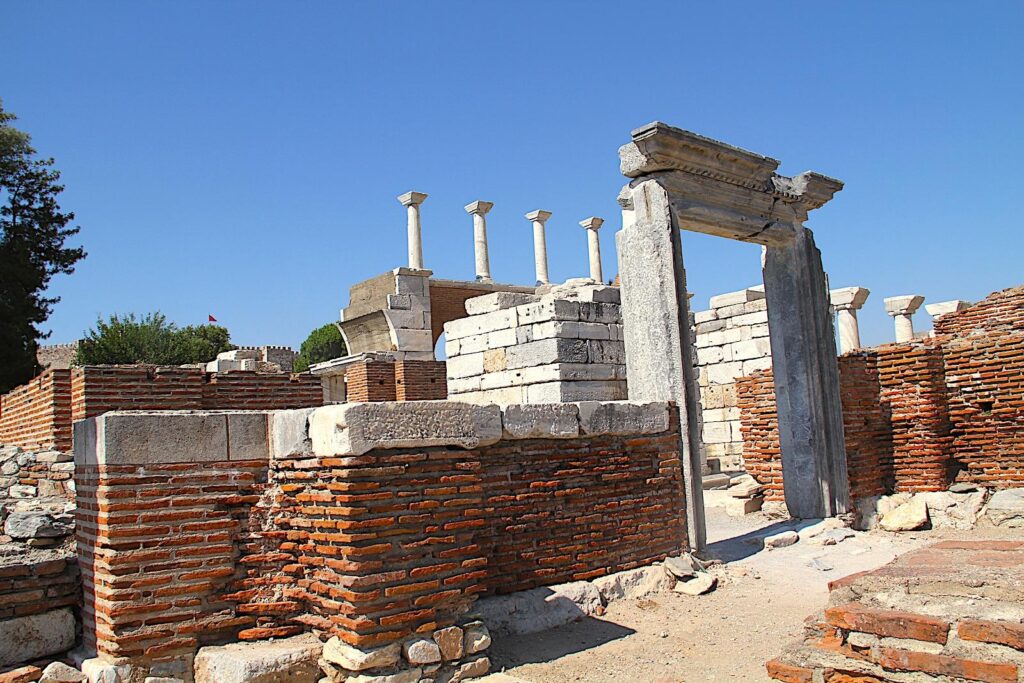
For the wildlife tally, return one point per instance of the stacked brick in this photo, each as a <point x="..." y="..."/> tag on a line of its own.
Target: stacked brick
<point x="370" y="381"/>
<point x="999" y="312"/>
<point x="98" y="389"/>
<point x="421" y="380"/>
<point x="251" y="391"/>
<point x="731" y="339"/>
<point x="566" y="345"/>
<point x="755" y="395"/>
<point x="38" y="586"/>
<point x="872" y="633"/>
<point x="37" y="415"/>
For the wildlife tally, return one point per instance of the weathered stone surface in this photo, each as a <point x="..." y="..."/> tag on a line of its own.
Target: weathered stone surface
<point x="781" y="539"/>
<point x="406" y="676"/>
<point x="633" y="583"/>
<point x="468" y="670"/>
<point x="59" y="672"/>
<point x="23" y="674"/>
<point x="102" y="671"/>
<point x="698" y="585"/>
<point x="449" y="640"/>
<point x="909" y="516"/>
<point x="353" y="658"/>
<point x="289" y="432"/>
<point x="497" y="301"/>
<point x="23" y="639"/>
<point x="24" y="525"/>
<point x="289" y="660"/>
<point x="948" y="510"/>
<point x="738" y="507"/>
<point x="355" y="428"/>
<point x="623" y="417"/>
<point x="683" y="567"/>
<point x="421" y="651"/>
<point x="475" y="637"/>
<point x="539" y="609"/>
<point x="1006" y="508"/>
<point x="162" y="679"/>
<point x="535" y="421"/>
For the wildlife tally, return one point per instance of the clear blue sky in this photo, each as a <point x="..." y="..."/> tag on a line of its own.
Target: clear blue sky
<point x="243" y="158"/>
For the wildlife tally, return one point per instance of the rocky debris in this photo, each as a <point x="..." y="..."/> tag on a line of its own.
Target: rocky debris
<point x="911" y="515"/>
<point x="24" y="674"/>
<point x="953" y="510"/>
<point x="1006" y="508"/>
<point x="475" y="638"/>
<point x="683" y="567"/>
<point x="738" y="507"/>
<point x="449" y="640"/>
<point x="422" y="651"/>
<point x="352" y="658"/>
<point x="744" y="487"/>
<point x="781" y="539"/>
<point x="59" y="672"/>
<point x="23" y="639"/>
<point x="634" y="583"/>
<point x="539" y="609"/>
<point x="834" y="536"/>
<point x="289" y="659"/>
<point x="698" y="585"/>
<point x="471" y="669"/>
<point x="29" y="525"/>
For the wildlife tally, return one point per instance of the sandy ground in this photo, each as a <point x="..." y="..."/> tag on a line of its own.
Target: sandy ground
<point x="758" y="608"/>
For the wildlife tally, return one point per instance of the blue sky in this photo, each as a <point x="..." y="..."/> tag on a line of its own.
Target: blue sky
<point x="243" y="158"/>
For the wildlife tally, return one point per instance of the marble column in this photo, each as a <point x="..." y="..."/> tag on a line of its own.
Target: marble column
<point x="540" y="246"/>
<point x="592" y="225"/>
<point x="478" y="210"/>
<point x="411" y="201"/>
<point x="847" y="301"/>
<point x="902" y="308"/>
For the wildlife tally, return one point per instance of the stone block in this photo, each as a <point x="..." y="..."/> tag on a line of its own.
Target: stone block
<point x="716" y="432"/>
<point x="552" y="309"/>
<point x="606" y="352"/>
<point x="349" y="657"/>
<point x="289" y="433"/>
<point x="623" y="417"/>
<point x="247" y="436"/>
<point x="482" y="324"/>
<point x="709" y="355"/>
<point x="23" y="639"/>
<point x="758" y="331"/>
<point x="750" y="348"/>
<point x="496" y="301"/>
<point x="405" y="320"/>
<point x="752" y="366"/>
<point x="600" y="313"/>
<point x="547" y="351"/>
<point x="724" y="373"/>
<point x="541" y="421"/>
<point x="466" y="365"/>
<point x="742" y="296"/>
<point x="589" y="372"/>
<point x="399" y="302"/>
<point x="449" y="640"/>
<point x="421" y="651"/>
<point x="406" y="282"/>
<point x="462" y="385"/>
<point x="452" y="347"/>
<point x="633" y="583"/>
<point x="475" y="637"/>
<point x="269" y="661"/>
<point x="700" y="317"/>
<point x="405" y="676"/>
<point x="474" y="344"/>
<point x="738" y="507"/>
<point x="749" y="319"/>
<point x="1006" y="508"/>
<point x="355" y="428"/>
<point x="495" y="360"/>
<point x="502" y="338"/>
<point x="494" y="397"/>
<point x="562" y="392"/>
<point x="413" y="340"/>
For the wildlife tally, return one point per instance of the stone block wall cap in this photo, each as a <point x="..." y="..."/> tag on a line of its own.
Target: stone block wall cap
<point x="479" y="207"/>
<point x="623" y="417"/>
<point x="944" y="307"/>
<point x="411" y="198"/>
<point x="903" y="305"/>
<point x="424" y="272"/>
<point x="849" y="297"/>
<point x="592" y="223"/>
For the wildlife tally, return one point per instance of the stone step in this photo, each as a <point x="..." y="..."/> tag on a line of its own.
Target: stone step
<point x="716" y="481"/>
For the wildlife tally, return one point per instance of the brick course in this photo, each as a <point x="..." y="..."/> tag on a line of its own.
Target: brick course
<point x="37" y="415"/>
<point x="39" y="586"/>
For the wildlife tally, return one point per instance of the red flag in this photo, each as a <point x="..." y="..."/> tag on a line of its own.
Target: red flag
<point x="211" y="319"/>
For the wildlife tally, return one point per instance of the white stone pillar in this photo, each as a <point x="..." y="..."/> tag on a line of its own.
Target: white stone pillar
<point x="540" y="246"/>
<point x="944" y="307"/>
<point x="592" y="225"/>
<point x="478" y="210"/>
<point x="901" y="308"/>
<point x="847" y="301"/>
<point x="411" y="201"/>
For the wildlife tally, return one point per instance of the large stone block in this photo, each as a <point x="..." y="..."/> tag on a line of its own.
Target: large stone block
<point x="541" y="421"/>
<point x="562" y="392"/>
<point x="289" y="433"/>
<point x="552" y="309"/>
<point x="290" y="660"/>
<point x="467" y="365"/>
<point x="606" y="352"/>
<point x="547" y="351"/>
<point x="740" y="297"/>
<point x="355" y="428"/>
<point x="496" y="301"/>
<point x="24" y="639"/>
<point x="623" y="417"/>
<point x="481" y="324"/>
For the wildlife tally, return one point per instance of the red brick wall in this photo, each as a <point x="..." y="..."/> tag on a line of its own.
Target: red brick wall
<point x="370" y="381"/>
<point x="97" y="389"/>
<point x="999" y="312"/>
<point x="37" y="415"/>
<point x="251" y="391"/>
<point x="38" y="586"/>
<point x="421" y="380"/>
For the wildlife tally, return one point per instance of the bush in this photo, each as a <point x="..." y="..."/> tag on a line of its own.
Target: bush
<point x="323" y="343"/>
<point x="151" y="340"/>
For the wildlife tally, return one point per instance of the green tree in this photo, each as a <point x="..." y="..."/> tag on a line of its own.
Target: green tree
<point x="150" y="339"/>
<point x="323" y="343"/>
<point x="33" y="230"/>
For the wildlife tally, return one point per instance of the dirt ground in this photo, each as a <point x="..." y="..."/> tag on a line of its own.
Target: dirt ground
<point x="759" y="607"/>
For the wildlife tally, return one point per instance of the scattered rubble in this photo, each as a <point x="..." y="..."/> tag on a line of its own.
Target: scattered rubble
<point x="781" y="539"/>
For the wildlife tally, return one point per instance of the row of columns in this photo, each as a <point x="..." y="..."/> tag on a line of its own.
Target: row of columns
<point x="848" y="300"/>
<point x="478" y="210"/>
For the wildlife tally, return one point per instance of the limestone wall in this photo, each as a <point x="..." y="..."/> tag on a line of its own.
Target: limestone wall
<point x="563" y="344"/>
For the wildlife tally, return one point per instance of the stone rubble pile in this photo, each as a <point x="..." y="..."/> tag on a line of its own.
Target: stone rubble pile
<point x="39" y="474"/>
<point x="963" y="506"/>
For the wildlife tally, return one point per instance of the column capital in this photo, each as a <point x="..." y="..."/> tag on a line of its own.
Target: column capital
<point x="592" y="223"/>
<point x="903" y="305"/>
<point x="944" y="307"/>
<point x="538" y="216"/>
<point x="411" y="198"/>
<point x="478" y="208"/>
<point x="848" y="298"/>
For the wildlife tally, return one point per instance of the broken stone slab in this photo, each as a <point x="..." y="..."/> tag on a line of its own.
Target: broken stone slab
<point x="539" y="609"/>
<point x="744" y="487"/>
<point x="450" y="642"/>
<point x="683" y="567"/>
<point x="475" y="637"/>
<point x="421" y="651"/>
<point x="963" y="487"/>
<point x="1006" y="508"/>
<point x="781" y="539"/>
<point x="289" y="433"/>
<point x="59" y="672"/>
<point x="909" y="516"/>
<point x="819" y="528"/>
<point x="948" y="510"/>
<point x="738" y="507"/>
<point x="23" y="639"/>
<point x="337" y="651"/>
<point x="834" y="536"/>
<point x="541" y="421"/>
<point x="292" y="659"/>
<point x="623" y="417"/>
<point x="23" y="674"/>
<point x="25" y="525"/>
<point x="497" y="301"/>
<point x="467" y="670"/>
<point x="698" y="585"/>
<point x="406" y="676"/>
<point x="633" y="583"/>
<point x="715" y="481"/>
<point x="356" y="428"/>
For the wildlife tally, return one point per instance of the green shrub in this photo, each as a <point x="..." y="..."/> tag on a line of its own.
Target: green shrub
<point x="152" y="340"/>
<point x="323" y="343"/>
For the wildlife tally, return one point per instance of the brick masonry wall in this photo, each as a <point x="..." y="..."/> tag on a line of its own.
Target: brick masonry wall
<point x="98" y="389"/>
<point x="370" y="382"/>
<point x="37" y="415"/>
<point x="38" y="586"/>
<point x="999" y="312"/>
<point x="421" y="380"/>
<point x="252" y="391"/>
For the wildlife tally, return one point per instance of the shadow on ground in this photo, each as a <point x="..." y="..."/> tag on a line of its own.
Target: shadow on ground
<point x="576" y="637"/>
<point x="743" y="546"/>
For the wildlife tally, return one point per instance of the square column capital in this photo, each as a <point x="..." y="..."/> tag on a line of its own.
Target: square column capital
<point x="592" y="223"/>
<point x="538" y="216"/>
<point x="478" y="208"/>
<point x="412" y="198"/>
<point x="848" y="298"/>
<point x="903" y="305"/>
<point x="944" y="307"/>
